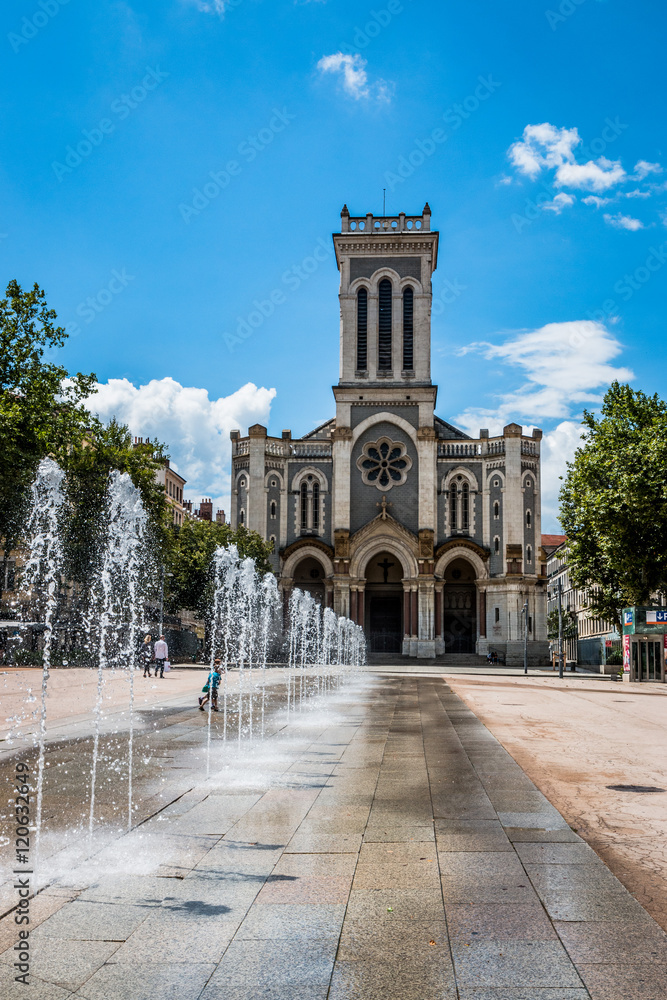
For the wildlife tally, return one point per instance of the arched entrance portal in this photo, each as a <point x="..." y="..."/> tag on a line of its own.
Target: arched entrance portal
<point x="459" y="602"/>
<point x="384" y="603"/>
<point x="309" y="576"/>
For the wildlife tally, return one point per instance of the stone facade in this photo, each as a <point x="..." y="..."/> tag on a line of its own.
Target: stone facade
<point x="387" y="513"/>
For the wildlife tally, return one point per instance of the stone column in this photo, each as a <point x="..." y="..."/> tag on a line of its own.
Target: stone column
<point x="342" y="453"/>
<point x="361" y="609"/>
<point x="256" y="519"/>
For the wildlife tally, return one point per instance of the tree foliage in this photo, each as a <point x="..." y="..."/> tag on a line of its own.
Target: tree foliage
<point x="41" y="411"/>
<point x="88" y="464"/>
<point x="570" y="627"/>
<point x="614" y="503"/>
<point x="189" y="555"/>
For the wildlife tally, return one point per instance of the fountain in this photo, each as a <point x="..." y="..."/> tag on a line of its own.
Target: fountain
<point x="264" y="648"/>
<point x="42" y="577"/>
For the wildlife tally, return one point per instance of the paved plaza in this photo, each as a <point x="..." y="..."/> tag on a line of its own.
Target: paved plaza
<point x="379" y="845"/>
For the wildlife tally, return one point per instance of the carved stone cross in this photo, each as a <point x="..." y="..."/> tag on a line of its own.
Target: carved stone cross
<point x="384" y="505"/>
<point x="385" y="565"/>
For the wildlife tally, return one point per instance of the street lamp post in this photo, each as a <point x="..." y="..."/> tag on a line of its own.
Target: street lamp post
<point x="525" y="637"/>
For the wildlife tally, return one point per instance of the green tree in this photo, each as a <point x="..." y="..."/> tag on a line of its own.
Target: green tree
<point x="569" y="624"/>
<point x="189" y="555"/>
<point x="88" y="465"/>
<point x="41" y="405"/>
<point x="614" y="503"/>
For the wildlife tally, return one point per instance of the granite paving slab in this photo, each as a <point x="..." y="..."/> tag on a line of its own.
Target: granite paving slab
<point x="392" y="852"/>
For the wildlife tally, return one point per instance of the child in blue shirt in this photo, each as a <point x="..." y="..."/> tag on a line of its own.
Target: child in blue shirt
<point x="210" y="689"/>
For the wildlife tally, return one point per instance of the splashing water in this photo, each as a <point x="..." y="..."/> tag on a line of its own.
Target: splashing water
<point x="118" y="594"/>
<point x="42" y="581"/>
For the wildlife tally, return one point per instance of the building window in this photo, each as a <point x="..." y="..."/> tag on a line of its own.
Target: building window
<point x="465" y="507"/>
<point x="384" y="463"/>
<point x="453" y="508"/>
<point x="362" y="330"/>
<point x="272" y="538"/>
<point x="408" y="330"/>
<point x="528" y="519"/>
<point x="273" y="482"/>
<point x="496" y="545"/>
<point x="497" y="615"/>
<point x="304" y="506"/>
<point x="529" y="484"/>
<point x="496" y="510"/>
<point x="496" y="483"/>
<point x="273" y="508"/>
<point x="529" y="554"/>
<point x="316" y="506"/>
<point x="242" y="516"/>
<point x="384" y="326"/>
<point x="241" y="484"/>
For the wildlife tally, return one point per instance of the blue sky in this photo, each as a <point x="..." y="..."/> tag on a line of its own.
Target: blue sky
<point x="168" y="165"/>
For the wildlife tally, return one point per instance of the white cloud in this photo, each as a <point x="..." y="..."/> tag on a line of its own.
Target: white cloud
<point x="547" y="147"/>
<point x="211" y="6"/>
<point x="562" y="364"/>
<point x="560" y="202"/>
<point x="619" y="221"/>
<point x="563" y="367"/>
<point x="558" y="448"/>
<point x="593" y="199"/>
<point x="354" y="78"/>
<point x="543" y="146"/>
<point x="598" y="175"/>
<point x="194" y="427"/>
<point x="643" y="168"/>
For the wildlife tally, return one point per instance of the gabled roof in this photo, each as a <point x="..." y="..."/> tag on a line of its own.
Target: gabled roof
<point x="448" y="431"/>
<point x="320" y="433"/>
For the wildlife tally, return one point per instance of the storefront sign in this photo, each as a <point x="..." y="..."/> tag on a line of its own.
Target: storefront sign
<point x="657" y="617"/>
<point x="628" y="617"/>
<point x="626" y="654"/>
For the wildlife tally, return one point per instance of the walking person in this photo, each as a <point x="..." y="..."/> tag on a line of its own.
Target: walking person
<point x="146" y="655"/>
<point x="161" y="653"/>
<point x="210" y="689"/>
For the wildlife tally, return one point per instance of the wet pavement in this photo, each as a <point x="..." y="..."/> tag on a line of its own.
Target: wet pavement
<point x="384" y="845"/>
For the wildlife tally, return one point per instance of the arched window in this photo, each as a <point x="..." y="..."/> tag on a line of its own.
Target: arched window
<point x="496" y="510"/>
<point x="316" y="506"/>
<point x="362" y="330"/>
<point x="273" y="508"/>
<point x="304" y="506"/>
<point x="408" y="330"/>
<point x="496" y="545"/>
<point x="465" y="507"/>
<point x="529" y="554"/>
<point x="528" y="519"/>
<point x="453" y="508"/>
<point x="242" y="516"/>
<point x="384" y="326"/>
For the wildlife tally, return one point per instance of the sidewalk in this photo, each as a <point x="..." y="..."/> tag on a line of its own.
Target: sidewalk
<point x="385" y="848"/>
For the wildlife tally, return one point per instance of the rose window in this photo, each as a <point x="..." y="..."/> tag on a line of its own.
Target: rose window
<point x="384" y="463"/>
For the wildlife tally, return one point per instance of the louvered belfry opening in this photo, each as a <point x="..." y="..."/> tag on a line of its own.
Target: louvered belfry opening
<point x="408" y="330"/>
<point x="384" y="327"/>
<point x="362" y="330"/>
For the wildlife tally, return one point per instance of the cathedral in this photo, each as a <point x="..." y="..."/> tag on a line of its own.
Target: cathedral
<point x="426" y="537"/>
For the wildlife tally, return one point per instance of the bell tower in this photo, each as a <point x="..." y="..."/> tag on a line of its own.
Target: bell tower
<point x="385" y="266"/>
